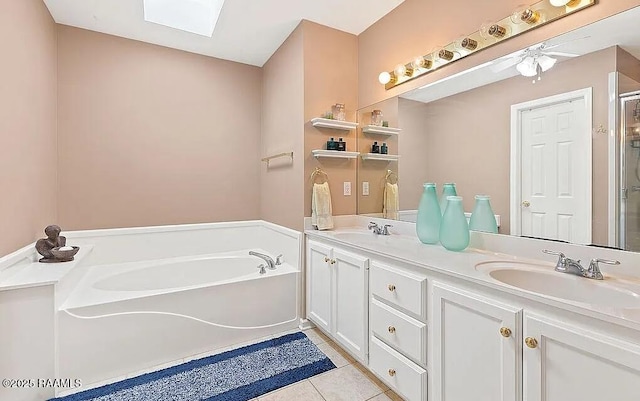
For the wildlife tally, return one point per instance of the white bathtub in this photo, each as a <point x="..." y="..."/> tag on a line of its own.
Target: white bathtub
<point x="127" y="315"/>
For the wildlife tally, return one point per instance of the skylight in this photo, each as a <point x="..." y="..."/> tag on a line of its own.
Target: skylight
<point x="194" y="16"/>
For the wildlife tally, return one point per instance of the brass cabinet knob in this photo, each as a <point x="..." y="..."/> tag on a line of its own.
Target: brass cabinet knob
<point x="392" y="329"/>
<point x="531" y="342"/>
<point x="506" y="332"/>
<point x="326" y="259"/>
<point x="392" y="287"/>
<point x="392" y="372"/>
<point x="333" y="261"/>
<point x="526" y="204"/>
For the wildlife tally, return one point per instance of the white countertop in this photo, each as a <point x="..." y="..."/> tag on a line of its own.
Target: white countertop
<point x="407" y="248"/>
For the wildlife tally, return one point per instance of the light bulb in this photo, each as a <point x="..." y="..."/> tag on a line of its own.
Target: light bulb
<point x="528" y="67"/>
<point x="384" y="77"/>
<point x="546" y="62"/>
<point x="421" y="62"/>
<point x="400" y="70"/>
<point x="562" y="3"/>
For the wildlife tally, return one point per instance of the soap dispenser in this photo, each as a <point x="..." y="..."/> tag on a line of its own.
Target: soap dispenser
<point x="342" y="145"/>
<point x="375" y="148"/>
<point x="332" y="144"/>
<point x="384" y="149"/>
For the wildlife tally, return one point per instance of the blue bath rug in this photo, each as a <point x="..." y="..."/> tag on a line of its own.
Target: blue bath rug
<point x="236" y="375"/>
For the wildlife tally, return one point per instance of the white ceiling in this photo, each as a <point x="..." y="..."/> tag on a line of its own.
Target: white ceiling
<point x="620" y="29"/>
<point x="248" y="31"/>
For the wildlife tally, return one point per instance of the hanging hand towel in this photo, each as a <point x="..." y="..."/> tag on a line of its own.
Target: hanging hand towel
<point x="321" y="207"/>
<point x="390" y="203"/>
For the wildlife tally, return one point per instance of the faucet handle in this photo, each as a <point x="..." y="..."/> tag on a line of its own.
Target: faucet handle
<point x="372" y="225"/>
<point x="279" y="260"/>
<point x="561" y="257"/>
<point x="263" y="269"/>
<point x="385" y="229"/>
<point x="594" y="268"/>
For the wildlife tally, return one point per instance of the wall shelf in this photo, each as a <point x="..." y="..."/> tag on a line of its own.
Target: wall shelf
<point x="379" y="156"/>
<point x="334" y="154"/>
<point x="375" y="129"/>
<point x="333" y="124"/>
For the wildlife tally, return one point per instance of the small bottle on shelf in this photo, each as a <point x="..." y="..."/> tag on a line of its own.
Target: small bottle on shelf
<point x="342" y="145"/>
<point x="384" y="149"/>
<point x="332" y="144"/>
<point x="375" y="148"/>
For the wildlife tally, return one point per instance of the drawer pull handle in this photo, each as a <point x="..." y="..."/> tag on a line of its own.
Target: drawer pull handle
<point x="326" y="259"/>
<point x="392" y="329"/>
<point x="333" y="261"/>
<point x="531" y="342"/>
<point x="506" y="332"/>
<point x="392" y="287"/>
<point x="392" y="372"/>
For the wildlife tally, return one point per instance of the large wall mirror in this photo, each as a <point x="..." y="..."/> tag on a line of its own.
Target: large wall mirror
<point x="551" y="133"/>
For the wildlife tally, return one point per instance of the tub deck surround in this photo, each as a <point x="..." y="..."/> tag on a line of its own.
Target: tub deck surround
<point x="135" y="298"/>
<point x="404" y="246"/>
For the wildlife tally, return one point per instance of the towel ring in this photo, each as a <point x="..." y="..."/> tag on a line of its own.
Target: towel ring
<point x="318" y="172"/>
<point x="389" y="177"/>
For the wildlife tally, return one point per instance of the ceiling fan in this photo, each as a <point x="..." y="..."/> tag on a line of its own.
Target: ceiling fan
<point x="534" y="60"/>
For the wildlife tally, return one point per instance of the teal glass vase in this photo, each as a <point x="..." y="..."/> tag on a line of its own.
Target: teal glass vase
<point x="454" y="230"/>
<point x="448" y="189"/>
<point x="482" y="217"/>
<point x="429" y="216"/>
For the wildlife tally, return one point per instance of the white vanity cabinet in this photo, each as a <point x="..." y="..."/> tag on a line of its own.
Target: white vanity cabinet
<point x="476" y="347"/>
<point x="566" y="362"/>
<point x="487" y="350"/>
<point x="337" y="288"/>
<point x="397" y="321"/>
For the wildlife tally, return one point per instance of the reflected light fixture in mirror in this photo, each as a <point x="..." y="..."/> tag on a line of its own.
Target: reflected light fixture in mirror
<point x="563" y="3"/>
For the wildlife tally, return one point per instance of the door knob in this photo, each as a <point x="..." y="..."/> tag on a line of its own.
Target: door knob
<point x="392" y="372"/>
<point x="392" y="329"/>
<point x="526" y="204"/>
<point x="333" y="261"/>
<point x="506" y="332"/>
<point x="531" y="342"/>
<point x="326" y="259"/>
<point x="392" y="287"/>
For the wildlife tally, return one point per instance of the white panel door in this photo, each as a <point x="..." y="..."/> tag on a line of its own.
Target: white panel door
<point x="555" y="169"/>
<point x="319" y="285"/>
<point x="350" y="303"/>
<point x="570" y="363"/>
<point x="474" y="356"/>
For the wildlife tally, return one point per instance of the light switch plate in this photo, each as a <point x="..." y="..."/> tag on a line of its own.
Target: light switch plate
<point x="347" y="188"/>
<point x="365" y="188"/>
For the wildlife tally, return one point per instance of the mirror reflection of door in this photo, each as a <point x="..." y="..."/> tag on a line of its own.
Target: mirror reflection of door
<point x="552" y="167"/>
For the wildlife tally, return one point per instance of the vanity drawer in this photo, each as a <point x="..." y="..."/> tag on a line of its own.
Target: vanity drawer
<point x="403" y="376"/>
<point x="402" y="332"/>
<point x="402" y="288"/>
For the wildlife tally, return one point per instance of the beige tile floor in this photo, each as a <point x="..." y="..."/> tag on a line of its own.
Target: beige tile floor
<point x="350" y="381"/>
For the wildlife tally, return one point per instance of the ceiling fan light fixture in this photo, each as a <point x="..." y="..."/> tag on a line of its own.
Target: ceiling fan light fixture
<point x="193" y="16"/>
<point x="528" y="67"/>
<point x="546" y="62"/>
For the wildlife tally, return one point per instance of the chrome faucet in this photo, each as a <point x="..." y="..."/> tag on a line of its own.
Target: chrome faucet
<point x="571" y="266"/>
<point x="268" y="259"/>
<point x="379" y="230"/>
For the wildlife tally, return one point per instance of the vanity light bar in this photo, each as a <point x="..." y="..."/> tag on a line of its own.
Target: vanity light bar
<point x="522" y="20"/>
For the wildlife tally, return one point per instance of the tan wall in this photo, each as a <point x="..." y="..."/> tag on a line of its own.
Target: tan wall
<point x="374" y="171"/>
<point x="468" y="137"/>
<point x="27" y="122"/>
<point x="282" y="184"/>
<point x="330" y="76"/>
<point x="416" y="26"/>
<point x="150" y="135"/>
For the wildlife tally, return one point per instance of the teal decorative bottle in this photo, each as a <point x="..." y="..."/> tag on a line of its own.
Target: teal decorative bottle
<point x="429" y="216"/>
<point x="454" y="231"/>
<point x="483" y="218"/>
<point x="448" y="189"/>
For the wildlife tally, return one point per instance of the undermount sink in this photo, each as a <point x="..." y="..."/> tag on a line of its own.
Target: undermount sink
<point x="542" y="279"/>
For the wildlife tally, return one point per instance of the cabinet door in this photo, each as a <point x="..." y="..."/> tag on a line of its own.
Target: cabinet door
<point x="350" y="302"/>
<point x="571" y="363"/>
<point x="475" y="358"/>
<point x="319" y="285"/>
